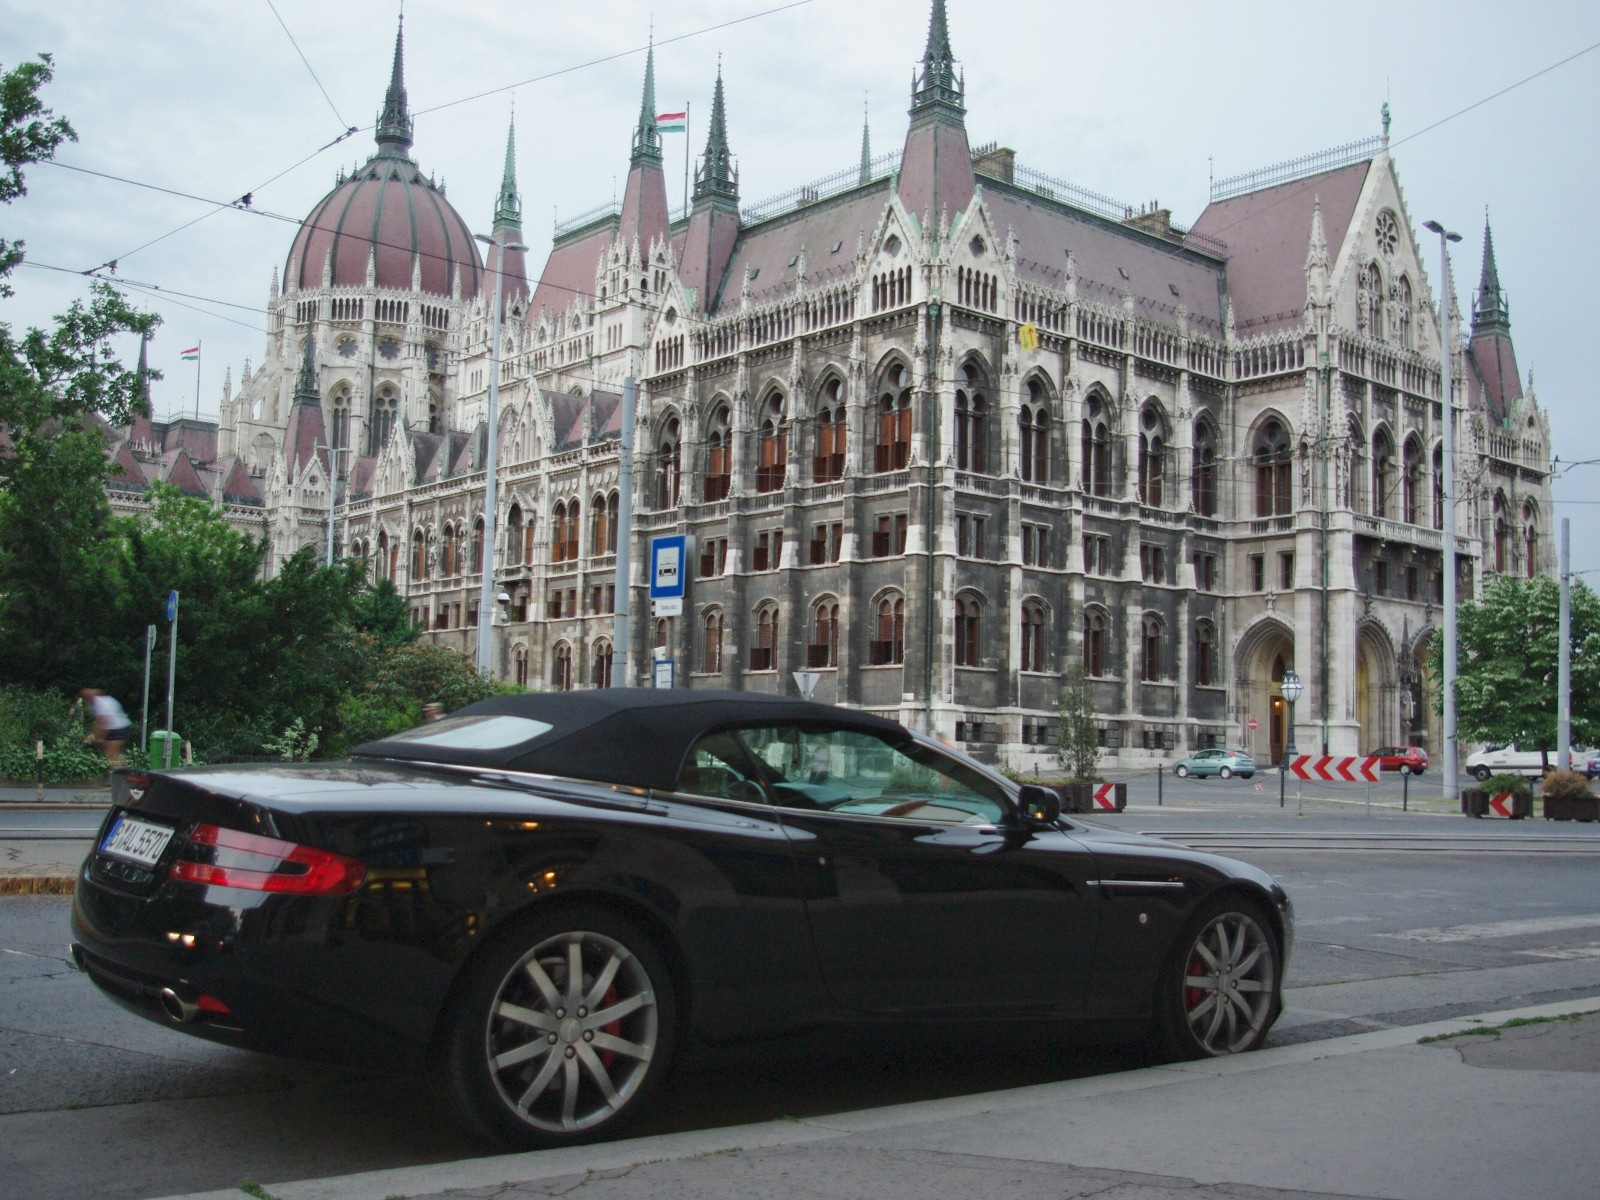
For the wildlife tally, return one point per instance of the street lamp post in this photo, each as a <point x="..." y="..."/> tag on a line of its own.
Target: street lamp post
<point x="486" y="596"/>
<point x="1448" y="465"/>
<point x="1291" y="687"/>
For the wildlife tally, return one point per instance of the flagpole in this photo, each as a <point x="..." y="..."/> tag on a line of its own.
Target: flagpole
<point x="688" y="144"/>
<point x="197" y="346"/>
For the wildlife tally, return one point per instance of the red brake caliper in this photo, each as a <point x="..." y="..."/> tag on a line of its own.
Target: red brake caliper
<point x="607" y="1057"/>
<point x="1193" y="995"/>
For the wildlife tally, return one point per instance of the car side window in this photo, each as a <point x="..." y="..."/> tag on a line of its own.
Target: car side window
<point x="848" y="771"/>
<point x="719" y="767"/>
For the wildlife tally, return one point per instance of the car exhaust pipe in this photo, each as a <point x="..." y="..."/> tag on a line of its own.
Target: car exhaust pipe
<point x="180" y="1009"/>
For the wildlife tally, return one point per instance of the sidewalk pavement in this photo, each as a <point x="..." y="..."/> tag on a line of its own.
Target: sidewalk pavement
<point x="1488" y="1113"/>
<point x="35" y="863"/>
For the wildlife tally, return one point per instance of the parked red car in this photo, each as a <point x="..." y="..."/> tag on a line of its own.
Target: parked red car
<point x="1408" y="760"/>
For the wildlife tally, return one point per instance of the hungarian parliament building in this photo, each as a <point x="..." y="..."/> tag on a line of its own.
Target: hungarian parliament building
<point x="935" y="429"/>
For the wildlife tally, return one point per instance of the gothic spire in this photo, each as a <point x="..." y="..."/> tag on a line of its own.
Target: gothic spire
<point x="866" y="146"/>
<point x="937" y="85"/>
<point x="394" y="122"/>
<point x="1490" y="312"/>
<point x="716" y="177"/>
<point x="646" y="139"/>
<point x="508" y="211"/>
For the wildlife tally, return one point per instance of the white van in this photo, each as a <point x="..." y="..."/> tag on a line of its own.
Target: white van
<point x="1517" y="760"/>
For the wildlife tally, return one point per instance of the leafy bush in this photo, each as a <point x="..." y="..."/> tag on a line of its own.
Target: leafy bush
<point x="1496" y="784"/>
<point x="1565" y="785"/>
<point x="27" y="716"/>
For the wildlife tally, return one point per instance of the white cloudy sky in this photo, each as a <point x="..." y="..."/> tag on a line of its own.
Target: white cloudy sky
<point x="1140" y="102"/>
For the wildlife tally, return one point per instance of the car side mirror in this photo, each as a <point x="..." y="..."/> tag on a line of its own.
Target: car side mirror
<point x="1039" y="804"/>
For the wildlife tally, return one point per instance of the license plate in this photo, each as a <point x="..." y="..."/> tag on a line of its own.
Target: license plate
<point x="136" y="841"/>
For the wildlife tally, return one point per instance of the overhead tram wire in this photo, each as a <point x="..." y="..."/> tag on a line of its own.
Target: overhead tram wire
<point x="337" y="116"/>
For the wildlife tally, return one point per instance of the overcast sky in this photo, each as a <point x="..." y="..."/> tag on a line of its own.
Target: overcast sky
<point x="185" y="105"/>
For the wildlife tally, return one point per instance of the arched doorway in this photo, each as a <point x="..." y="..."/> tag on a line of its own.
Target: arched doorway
<point x="1376" y="692"/>
<point x="1265" y="652"/>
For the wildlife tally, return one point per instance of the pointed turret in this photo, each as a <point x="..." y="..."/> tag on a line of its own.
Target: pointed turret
<point x="716" y="176"/>
<point x="936" y="167"/>
<point x="1318" y="290"/>
<point x="508" y="227"/>
<point x="1493" y="357"/>
<point x="306" y="430"/>
<point x="644" y="201"/>
<point x="866" y="146"/>
<point x="1490" y="310"/>
<point x="394" y="122"/>
<point x="714" y="217"/>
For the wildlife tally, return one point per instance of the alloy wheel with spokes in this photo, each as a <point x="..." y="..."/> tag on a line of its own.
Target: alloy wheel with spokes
<point x="560" y="1034"/>
<point x="1220" y="992"/>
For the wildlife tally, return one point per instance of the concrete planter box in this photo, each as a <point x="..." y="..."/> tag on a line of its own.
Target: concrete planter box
<point x="1475" y="803"/>
<point x="1572" y="808"/>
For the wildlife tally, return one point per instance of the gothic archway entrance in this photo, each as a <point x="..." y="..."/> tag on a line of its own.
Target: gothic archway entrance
<point x="1264" y="654"/>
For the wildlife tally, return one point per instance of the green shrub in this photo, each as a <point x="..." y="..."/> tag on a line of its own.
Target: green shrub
<point x="27" y="716"/>
<point x="1565" y="785"/>
<point x="1496" y="784"/>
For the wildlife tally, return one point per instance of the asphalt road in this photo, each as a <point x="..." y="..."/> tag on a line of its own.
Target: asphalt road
<point x="96" y="1103"/>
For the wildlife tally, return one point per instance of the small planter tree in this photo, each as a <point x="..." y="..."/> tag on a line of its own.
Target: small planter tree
<point x="1475" y="801"/>
<point x="1078" y="739"/>
<point x="1567" y="797"/>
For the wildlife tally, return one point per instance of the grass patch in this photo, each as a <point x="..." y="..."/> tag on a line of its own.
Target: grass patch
<point x="1497" y="1030"/>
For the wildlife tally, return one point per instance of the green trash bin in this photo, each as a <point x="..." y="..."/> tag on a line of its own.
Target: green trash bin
<point x="159" y="739"/>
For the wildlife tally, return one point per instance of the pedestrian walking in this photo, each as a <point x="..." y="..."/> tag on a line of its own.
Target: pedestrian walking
<point x="111" y="724"/>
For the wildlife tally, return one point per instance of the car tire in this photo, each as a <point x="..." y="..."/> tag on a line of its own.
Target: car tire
<point x="1405" y="768"/>
<point x="1480" y="773"/>
<point x="1219" y="990"/>
<point x="1181" y="771"/>
<point x="1247" y="775"/>
<point x="528" y="1056"/>
<point x="1224" y="772"/>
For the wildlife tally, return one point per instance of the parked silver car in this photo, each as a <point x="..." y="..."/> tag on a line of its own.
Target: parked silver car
<point x="1224" y="764"/>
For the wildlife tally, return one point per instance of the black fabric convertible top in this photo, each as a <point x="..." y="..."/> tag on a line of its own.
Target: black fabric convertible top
<point x="633" y="736"/>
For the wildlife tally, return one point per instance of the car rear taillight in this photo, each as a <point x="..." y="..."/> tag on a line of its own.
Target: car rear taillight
<point x="263" y="864"/>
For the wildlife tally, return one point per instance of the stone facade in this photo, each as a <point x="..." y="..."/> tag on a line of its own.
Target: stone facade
<point x="937" y="428"/>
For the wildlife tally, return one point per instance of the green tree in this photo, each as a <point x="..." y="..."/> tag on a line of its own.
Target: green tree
<point x="58" y="390"/>
<point x="399" y="681"/>
<point x="1507" y="666"/>
<point x="1077" y="734"/>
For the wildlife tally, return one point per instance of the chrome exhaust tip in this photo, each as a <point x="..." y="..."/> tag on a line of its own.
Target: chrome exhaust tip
<point x="179" y="1009"/>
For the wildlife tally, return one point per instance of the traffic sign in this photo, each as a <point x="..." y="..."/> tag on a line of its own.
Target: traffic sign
<point x="667" y="555"/>
<point x="1252" y="724"/>
<point x="172" y="605"/>
<point x="1331" y="768"/>
<point x="1104" y="796"/>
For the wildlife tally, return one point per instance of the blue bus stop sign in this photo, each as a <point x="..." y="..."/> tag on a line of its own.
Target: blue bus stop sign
<point x="172" y="605"/>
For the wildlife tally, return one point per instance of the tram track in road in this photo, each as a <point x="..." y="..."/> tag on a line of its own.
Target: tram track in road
<point x="1508" y="842"/>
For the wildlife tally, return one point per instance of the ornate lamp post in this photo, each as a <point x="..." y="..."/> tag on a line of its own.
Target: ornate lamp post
<point x="1291" y="688"/>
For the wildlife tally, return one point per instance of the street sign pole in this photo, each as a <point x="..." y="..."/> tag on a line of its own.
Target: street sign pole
<point x="144" y="710"/>
<point x="172" y="671"/>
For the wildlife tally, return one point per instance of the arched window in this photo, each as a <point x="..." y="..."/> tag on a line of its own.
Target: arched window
<point x="893" y="448"/>
<point x="764" y="650"/>
<point x="1096" y="450"/>
<point x="514" y="536"/>
<point x="385" y="412"/>
<point x="1094" y="642"/>
<point x="711" y="645"/>
<point x="1150" y="658"/>
<point x="603" y="524"/>
<point x="1438" y="486"/>
<point x="558" y="532"/>
<point x="561" y="668"/>
<point x="889" y="643"/>
<point x="1205" y="654"/>
<point x="385" y="567"/>
<point x="823" y="651"/>
<point x="1033" y="435"/>
<point x="1152" y="456"/>
<point x="1383" y="474"/>
<point x="475" y="549"/>
<point x="669" y="455"/>
<point x="1374" y="301"/>
<point x="1530" y="540"/>
<point x="1273" y="463"/>
<point x="1502" y="534"/>
<point x="1411" y="484"/>
<point x="419" y="557"/>
<point x="1205" y="468"/>
<point x="433" y="413"/>
<point x="719" y="456"/>
<point x="1402" y="311"/>
<point x="1033" y="625"/>
<point x="341" y="417"/>
<point x="827" y="463"/>
<point x="602" y="663"/>
<point x="972" y="422"/>
<point x="772" y="448"/>
<point x="519" y="666"/>
<point x="574" y="524"/>
<point x="968" y="631"/>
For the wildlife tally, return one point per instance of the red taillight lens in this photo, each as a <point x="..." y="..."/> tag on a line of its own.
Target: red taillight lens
<point x="263" y="864"/>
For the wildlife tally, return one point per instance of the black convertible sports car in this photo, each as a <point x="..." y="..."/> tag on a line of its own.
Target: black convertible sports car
<point x="541" y="900"/>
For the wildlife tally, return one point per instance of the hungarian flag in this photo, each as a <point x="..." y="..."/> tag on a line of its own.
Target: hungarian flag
<point x="672" y="122"/>
<point x="192" y="354"/>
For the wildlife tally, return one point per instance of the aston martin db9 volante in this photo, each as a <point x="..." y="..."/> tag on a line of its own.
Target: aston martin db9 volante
<point x="541" y="901"/>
